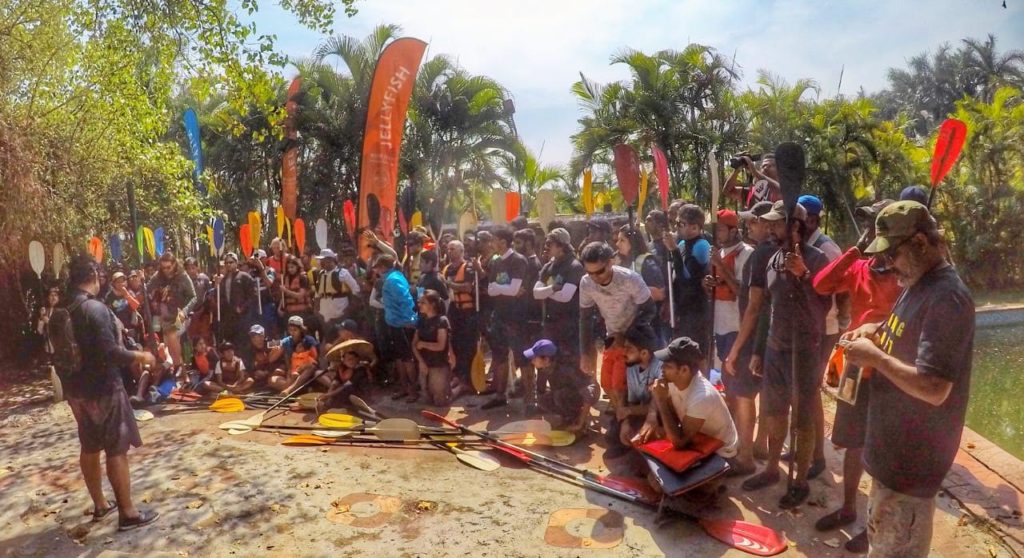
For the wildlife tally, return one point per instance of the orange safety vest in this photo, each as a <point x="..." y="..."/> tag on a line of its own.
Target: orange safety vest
<point x="462" y="301"/>
<point x="723" y="291"/>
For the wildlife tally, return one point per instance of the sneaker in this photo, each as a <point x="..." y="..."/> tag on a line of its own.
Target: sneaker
<point x="796" y="496"/>
<point x="858" y="544"/>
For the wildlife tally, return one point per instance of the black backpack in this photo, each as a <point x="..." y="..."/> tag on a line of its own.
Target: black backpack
<point x="67" y="356"/>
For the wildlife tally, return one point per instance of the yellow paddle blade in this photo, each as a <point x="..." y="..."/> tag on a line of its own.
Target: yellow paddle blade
<point x="305" y="440"/>
<point x="526" y="439"/>
<point x="338" y="420"/>
<point x="227" y="405"/>
<point x="308" y="400"/>
<point x="478" y="372"/>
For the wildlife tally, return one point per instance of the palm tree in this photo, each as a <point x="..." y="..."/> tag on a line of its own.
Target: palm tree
<point x="523" y="172"/>
<point x="991" y="70"/>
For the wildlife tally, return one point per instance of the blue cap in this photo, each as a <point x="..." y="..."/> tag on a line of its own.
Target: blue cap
<point x="542" y="348"/>
<point x="914" y="193"/>
<point x="811" y="203"/>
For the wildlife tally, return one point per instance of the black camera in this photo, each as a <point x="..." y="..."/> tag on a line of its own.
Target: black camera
<point x="736" y="162"/>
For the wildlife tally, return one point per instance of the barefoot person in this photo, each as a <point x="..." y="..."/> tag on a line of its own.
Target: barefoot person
<point x="920" y="356"/>
<point x="573" y="392"/>
<point x="97" y="397"/>
<point x="229" y="374"/>
<point x="300" y="356"/>
<point x="432" y="348"/>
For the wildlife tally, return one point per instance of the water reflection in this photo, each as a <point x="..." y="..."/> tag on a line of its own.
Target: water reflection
<point x="995" y="410"/>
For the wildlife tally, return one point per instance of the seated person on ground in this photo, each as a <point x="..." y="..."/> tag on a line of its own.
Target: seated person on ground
<point x="264" y="355"/>
<point x="636" y="416"/>
<point x="300" y="355"/>
<point x="348" y="376"/>
<point x="687" y="403"/>
<point x="204" y="362"/>
<point x="573" y="392"/>
<point x="148" y="378"/>
<point x="229" y="374"/>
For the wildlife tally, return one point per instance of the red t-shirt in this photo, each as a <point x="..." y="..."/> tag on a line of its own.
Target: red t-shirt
<point x="872" y="294"/>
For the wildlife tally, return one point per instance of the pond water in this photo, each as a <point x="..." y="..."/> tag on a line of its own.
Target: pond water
<point x="996" y="407"/>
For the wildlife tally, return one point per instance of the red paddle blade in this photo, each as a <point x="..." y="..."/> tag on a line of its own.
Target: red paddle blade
<point x="637" y="487"/>
<point x="627" y="172"/>
<point x="430" y="415"/>
<point x="748" y="537"/>
<point x="951" y="138"/>
<point x="349" y="210"/>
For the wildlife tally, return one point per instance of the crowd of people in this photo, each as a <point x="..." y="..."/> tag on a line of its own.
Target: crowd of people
<point x="766" y="298"/>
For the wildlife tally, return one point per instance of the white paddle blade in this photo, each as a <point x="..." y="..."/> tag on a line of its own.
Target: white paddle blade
<point x="478" y="460"/>
<point x="37" y="256"/>
<point x="321" y="233"/>
<point x="58" y="258"/>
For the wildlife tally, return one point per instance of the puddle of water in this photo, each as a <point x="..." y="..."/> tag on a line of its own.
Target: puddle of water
<point x="997" y="385"/>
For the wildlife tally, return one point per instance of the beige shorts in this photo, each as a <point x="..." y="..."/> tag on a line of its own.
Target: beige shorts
<point x="899" y="525"/>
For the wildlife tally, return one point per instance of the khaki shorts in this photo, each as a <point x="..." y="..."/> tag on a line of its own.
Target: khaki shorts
<point x="899" y="525"/>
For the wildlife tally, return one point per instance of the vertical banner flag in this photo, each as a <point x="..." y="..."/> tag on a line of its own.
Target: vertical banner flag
<point x="389" y="98"/>
<point x="661" y="171"/>
<point x="290" y="163"/>
<point x="195" y="146"/>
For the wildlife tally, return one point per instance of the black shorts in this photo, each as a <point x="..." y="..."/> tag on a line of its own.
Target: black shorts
<point x="508" y="334"/>
<point x="776" y="385"/>
<point x="106" y="422"/>
<point x="851" y="424"/>
<point x="744" y="383"/>
<point x="397" y="344"/>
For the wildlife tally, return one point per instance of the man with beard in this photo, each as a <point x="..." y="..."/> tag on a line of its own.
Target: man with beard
<point x="237" y="298"/>
<point x="765" y="179"/>
<point x="921" y="362"/>
<point x="792" y="360"/>
<point x="461" y="277"/>
<point x="558" y="288"/>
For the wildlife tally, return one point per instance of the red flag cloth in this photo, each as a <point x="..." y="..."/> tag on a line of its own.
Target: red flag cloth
<point x="390" y="91"/>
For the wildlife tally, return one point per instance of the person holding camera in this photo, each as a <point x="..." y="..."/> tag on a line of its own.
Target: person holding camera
<point x="764" y="180"/>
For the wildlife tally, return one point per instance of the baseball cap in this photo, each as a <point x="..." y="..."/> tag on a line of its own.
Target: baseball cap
<point x="680" y="350"/>
<point x="914" y="193"/>
<point x="778" y="212"/>
<point x="560" y="236"/>
<point x="117" y="276"/>
<point x="756" y="210"/>
<point x="231" y="256"/>
<point x="872" y="211"/>
<point x="261" y="254"/>
<point x="897" y="222"/>
<point x="349" y="325"/>
<point x="327" y="253"/>
<point x="296" y="321"/>
<point x="542" y="348"/>
<point x="728" y="217"/>
<point x="257" y="329"/>
<point x="811" y="203"/>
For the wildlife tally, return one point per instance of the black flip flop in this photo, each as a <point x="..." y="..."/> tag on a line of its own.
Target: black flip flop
<point x="144" y="518"/>
<point x="97" y="515"/>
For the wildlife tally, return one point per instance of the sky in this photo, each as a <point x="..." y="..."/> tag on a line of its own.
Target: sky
<point x="537" y="49"/>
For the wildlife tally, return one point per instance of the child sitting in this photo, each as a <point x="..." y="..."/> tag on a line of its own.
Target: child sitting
<point x="573" y="392"/>
<point x="229" y="375"/>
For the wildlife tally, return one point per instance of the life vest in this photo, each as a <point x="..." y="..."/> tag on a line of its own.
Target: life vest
<point x="462" y="301"/>
<point x="302" y="358"/>
<point x="330" y="285"/>
<point x="723" y="291"/>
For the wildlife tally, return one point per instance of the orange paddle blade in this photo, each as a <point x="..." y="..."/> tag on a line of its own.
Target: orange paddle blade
<point x="96" y="249"/>
<point x="306" y="440"/>
<point x="245" y="240"/>
<point x="300" y="235"/>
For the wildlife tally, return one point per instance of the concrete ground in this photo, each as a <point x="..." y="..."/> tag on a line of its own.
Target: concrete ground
<point x="248" y="495"/>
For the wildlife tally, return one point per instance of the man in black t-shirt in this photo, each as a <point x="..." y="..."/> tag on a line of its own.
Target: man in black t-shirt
<point x="558" y="288"/>
<point x="792" y="360"/>
<point x="506" y="275"/>
<point x="430" y="278"/>
<point x="921" y="358"/>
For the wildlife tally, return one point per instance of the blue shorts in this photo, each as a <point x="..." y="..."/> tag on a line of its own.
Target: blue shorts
<point x="744" y="383"/>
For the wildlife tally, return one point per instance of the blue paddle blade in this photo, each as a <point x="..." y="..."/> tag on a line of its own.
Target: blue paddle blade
<point x="115" y="247"/>
<point x="158" y="241"/>
<point x="218" y="235"/>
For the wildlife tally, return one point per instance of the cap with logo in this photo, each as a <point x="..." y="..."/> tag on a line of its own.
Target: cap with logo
<point x="896" y="223"/>
<point x="542" y="348"/>
<point x="257" y="329"/>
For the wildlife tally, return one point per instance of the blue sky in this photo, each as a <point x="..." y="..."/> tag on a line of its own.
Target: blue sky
<point x="537" y="49"/>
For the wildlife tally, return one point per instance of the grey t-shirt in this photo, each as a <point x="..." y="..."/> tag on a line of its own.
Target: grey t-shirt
<point x="617" y="301"/>
<point x="797" y="309"/>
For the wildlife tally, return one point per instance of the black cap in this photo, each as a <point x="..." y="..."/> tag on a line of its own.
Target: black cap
<point x="349" y="325"/>
<point x="681" y="350"/>
<point x="757" y="210"/>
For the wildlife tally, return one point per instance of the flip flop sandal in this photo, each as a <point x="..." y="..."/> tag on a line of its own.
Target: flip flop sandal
<point x="835" y="520"/>
<point x="144" y="518"/>
<point x="97" y="515"/>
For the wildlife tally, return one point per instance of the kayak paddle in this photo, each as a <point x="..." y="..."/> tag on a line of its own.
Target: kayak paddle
<point x="952" y="134"/>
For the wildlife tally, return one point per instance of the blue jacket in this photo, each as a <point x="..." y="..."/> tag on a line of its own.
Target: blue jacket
<point x="399" y="309"/>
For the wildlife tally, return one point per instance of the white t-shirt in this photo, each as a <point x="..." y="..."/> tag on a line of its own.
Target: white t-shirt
<point x="702" y="401"/>
<point x="727" y="312"/>
<point x="617" y="301"/>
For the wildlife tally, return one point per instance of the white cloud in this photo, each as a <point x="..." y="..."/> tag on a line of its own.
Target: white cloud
<point x="537" y="48"/>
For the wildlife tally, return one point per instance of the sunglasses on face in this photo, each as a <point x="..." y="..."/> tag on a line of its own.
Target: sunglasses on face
<point x="889" y="256"/>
